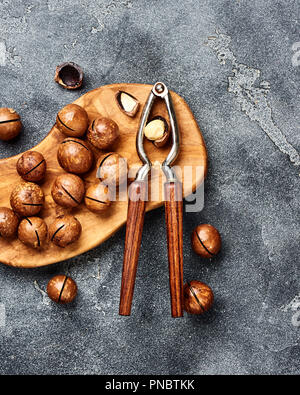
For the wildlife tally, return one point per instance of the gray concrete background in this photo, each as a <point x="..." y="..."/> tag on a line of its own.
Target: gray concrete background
<point x="252" y="189"/>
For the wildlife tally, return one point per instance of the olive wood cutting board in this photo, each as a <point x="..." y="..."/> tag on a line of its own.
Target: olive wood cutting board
<point x="96" y="228"/>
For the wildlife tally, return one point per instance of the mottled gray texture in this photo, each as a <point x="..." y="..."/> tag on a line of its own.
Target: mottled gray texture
<point x="252" y="190"/>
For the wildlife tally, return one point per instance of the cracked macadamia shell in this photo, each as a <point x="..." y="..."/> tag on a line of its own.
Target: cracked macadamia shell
<point x="10" y="124"/>
<point x="97" y="198"/>
<point x="72" y="120"/>
<point x="198" y="297"/>
<point x="33" y="232"/>
<point x="69" y="75"/>
<point x="68" y="190"/>
<point x="74" y="156"/>
<point x="9" y="222"/>
<point x="62" y="289"/>
<point x="103" y="133"/>
<point x="112" y="169"/>
<point x="27" y="199"/>
<point x="31" y="166"/>
<point x="65" y="230"/>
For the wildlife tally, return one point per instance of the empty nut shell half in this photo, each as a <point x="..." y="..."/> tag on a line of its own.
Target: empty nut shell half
<point x="157" y="130"/>
<point x="198" y="297"/>
<point x="68" y="190"/>
<point x="31" y="166"/>
<point x="72" y="120"/>
<point x="69" y="75"/>
<point x="74" y="156"/>
<point x="127" y="103"/>
<point x="9" y="222"/>
<point x="33" y="232"/>
<point x="10" y="124"/>
<point x="97" y="198"/>
<point x="27" y="199"/>
<point x="65" y="230"/>
<point x="62" y="289"/>
<point x="112" y="169"/>
<point x="103" y="133"/>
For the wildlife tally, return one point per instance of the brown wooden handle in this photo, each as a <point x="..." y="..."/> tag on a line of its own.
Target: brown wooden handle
<point x="174" y="210"/>
<point x="135" y="220"/>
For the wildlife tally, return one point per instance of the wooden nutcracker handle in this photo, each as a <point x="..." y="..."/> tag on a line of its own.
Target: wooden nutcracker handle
<point x="135" y="220"/>
<point x="174" y="210"/>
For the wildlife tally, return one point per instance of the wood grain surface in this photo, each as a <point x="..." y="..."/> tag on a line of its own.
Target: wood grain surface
<point x="98" y="228"/>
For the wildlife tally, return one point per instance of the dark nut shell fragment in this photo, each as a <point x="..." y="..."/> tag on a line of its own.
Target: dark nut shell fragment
<point x="198" y="297"/>
<point x="103" y="133"/>
<point x="97" y="198"/>
<point x="112" y="169"/>
<point x="62" y="289"/>
<point x="157" y="130"/>
<point x="33" y="232"/>
<point x="27" y="199"/>
<point x="74" y="156"/>
<point x="69" y="75"/>
<point x="10" y="124"/>
<point x="65" y="230"/>
<point x="9" y="222"/>
<point x="127" y="103"/>
<point x="72" y="120"/>
<point x="31" y="166"/>
<point x="68" y="190"/>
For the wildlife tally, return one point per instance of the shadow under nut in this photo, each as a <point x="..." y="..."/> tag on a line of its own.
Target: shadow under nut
<point x="74" y="156"/>
<point x="27" y="199"/>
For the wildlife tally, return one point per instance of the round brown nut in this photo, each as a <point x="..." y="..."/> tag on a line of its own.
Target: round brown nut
<point x="62" y="289"/>
<point x="69" y="75"/>
<point x="10" y="124"/>
<point x="103" y="133"/>
<point x="9" y="222"/>
<point x="97" y="198"/>
<point x="206" y="241"/>
<point x="33" y="232"/>
<point x="74" y="156"/>
<point x="27" y="199"/>
<point x="31" y="166"/>
<point x="72" y="120"/>
<point x="112" y="169"/>
<point x="68" y="190"/>
<point x="65" y="230"/>
<point x="198" y="297"/>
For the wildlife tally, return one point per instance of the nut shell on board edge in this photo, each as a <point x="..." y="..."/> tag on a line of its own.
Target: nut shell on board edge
<point x="65" y="230"/>
<point x="10" y="124"/>
<point x="62" y="289"/>
<point x="68" y="190"/>
<point x="127" y="103"/>
<point x="206" y="241"/>
<point x="69" y="75"/>
<point x="198" y="297"/>
<point x="9" y="222"/>
<point x="103" y="133"/>
<point x="27" y="199"/>
<point x="112" y="169"/>
<point x="32" y="166"/>
<point x="97" y="198"/>
<point x="72" y="120"/>
<point x="157" y="131"/>
<point x="33" y="232"/>
<point x="74" y="156"/>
